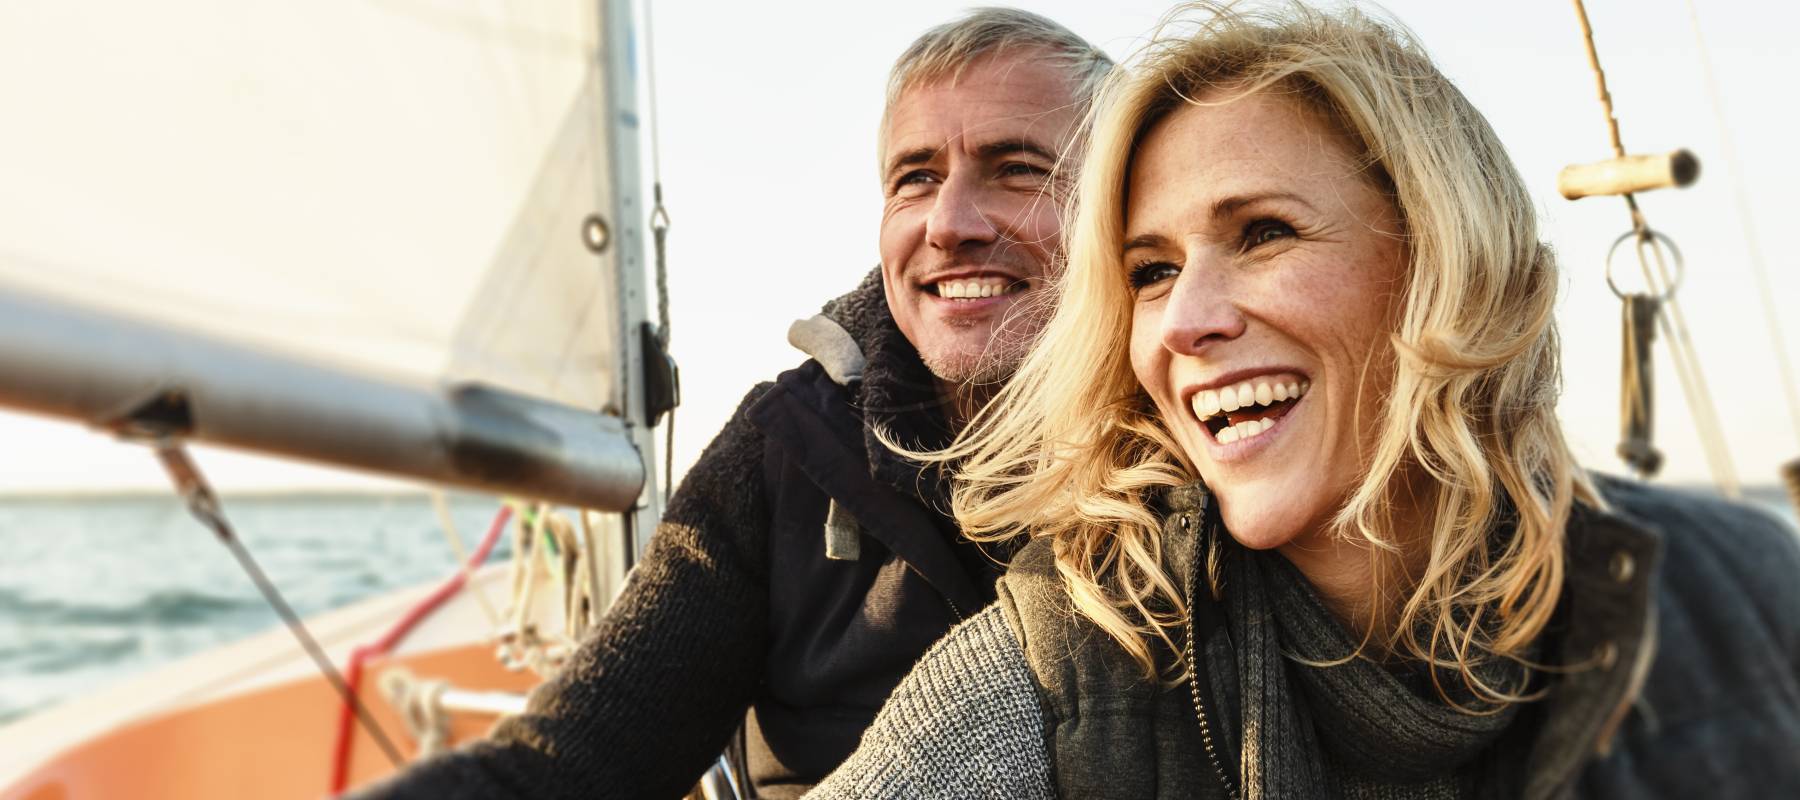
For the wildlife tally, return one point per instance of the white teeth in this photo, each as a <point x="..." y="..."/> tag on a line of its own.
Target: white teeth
<point x="1206" y="404"/>
<point x="1211" y="403"/>
<point x="1228" y="400"/>
<point x="974" y="289"/>
<point x="1244" y="430"/>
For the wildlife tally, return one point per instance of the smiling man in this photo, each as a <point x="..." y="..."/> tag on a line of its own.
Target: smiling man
<point x="802" y="567"/>
<point x="969" y="228"/>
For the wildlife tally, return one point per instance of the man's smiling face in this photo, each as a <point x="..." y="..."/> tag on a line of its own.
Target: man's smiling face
<point x="971" y="223"/>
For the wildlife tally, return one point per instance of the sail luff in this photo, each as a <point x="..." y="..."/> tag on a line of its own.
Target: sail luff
<point x="145" y="380"/>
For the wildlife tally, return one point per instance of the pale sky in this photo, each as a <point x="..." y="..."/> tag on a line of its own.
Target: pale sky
<point x="768" y="115"/>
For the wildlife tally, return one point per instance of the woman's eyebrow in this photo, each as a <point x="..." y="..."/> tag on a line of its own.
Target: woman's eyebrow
<point x="1227" y="206"/>
<point x="1222" y="208"/>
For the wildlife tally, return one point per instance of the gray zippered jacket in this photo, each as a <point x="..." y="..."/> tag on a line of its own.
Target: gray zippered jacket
<point x="1687" y="606"/>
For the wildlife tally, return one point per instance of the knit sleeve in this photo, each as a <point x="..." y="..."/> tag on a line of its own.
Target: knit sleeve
<point x="966" y="723"/>
<point x="659" y="686"/>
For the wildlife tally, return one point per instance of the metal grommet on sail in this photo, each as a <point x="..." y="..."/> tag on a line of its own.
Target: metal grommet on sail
<point x="596" y="234"/>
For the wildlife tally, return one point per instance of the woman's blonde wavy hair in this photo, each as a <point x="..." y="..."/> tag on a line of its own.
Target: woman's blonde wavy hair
<point x="1073" y="450"/>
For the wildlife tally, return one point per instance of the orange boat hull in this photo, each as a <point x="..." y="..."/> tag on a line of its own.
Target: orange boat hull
<point x="252" y="720"/>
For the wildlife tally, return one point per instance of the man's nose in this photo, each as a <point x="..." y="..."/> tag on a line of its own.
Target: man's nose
<point x="958" y="218"/>
<point x="1202" y="309"/>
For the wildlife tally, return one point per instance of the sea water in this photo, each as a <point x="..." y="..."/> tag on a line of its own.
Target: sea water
<point x="96" y="589"/>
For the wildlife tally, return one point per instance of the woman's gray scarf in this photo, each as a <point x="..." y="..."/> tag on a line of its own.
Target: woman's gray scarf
<point x="1350" y="730"/>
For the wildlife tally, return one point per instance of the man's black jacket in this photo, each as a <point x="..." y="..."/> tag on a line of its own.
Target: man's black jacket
<point x="737" y="607"/>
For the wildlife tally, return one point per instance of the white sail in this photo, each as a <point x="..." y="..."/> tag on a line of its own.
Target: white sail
<point x="397" y="186"/>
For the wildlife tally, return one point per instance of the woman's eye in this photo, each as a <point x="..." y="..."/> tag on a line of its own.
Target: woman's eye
<point x="1152" y="272"/>
<point x="1264" y="231"/>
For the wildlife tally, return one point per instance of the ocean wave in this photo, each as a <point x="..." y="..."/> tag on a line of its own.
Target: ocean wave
<point x="83" y="655"/>
<point x="164" y="607"/>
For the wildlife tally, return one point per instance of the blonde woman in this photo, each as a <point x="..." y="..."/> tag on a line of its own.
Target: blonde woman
<point x="1303" y="522"/>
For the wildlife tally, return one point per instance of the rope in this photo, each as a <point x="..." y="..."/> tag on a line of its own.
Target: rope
<point x="420" y="704"/>
<point x="544" y="542"/>
<point x="1687" y="368"/>
<point x="1673" y="323"/>
<point x="440" y="506"/>
<point x="668" y="486"/>
<point x="1612" y="121"/>
<point x="591" y="545"/>
<point x="340" y="765"/>
<point x="1740" y="192"/>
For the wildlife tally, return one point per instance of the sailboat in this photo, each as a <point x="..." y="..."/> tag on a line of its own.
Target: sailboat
<point x="406" y="238"/>
<point x="400" y="236"/>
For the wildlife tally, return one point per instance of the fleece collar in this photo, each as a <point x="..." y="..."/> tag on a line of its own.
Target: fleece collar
<point x="895" y="394"/>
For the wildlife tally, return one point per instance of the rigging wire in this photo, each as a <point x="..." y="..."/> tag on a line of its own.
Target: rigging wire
<point x="1674" y="323"/>
<point x="204" y="504"/>
<point x="659" y="215"/>
<point x="1740" y="192"/>
<point x="659" y="230"/>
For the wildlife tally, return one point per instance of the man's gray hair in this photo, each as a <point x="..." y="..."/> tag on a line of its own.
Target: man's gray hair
<point x="946" y="51"/>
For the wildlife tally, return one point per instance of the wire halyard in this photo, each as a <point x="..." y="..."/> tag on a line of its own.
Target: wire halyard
<point x="1758" y="268"/>
<point x="659" y="232"/>
<point x="204" y="504"/>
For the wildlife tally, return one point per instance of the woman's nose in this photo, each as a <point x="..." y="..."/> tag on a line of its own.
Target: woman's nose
<point x="1202" y="309"/>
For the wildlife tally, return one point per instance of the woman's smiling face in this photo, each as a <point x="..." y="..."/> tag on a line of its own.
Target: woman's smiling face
<point x="1266" y="268"/>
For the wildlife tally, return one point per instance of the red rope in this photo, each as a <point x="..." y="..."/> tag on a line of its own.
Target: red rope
<point x="340" y="763"/>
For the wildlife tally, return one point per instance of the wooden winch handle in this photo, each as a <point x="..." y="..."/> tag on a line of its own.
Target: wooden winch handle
<point x="1628" y="175"/>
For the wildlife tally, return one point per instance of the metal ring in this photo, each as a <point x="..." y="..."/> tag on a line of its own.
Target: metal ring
<point x="1656" y="238"/>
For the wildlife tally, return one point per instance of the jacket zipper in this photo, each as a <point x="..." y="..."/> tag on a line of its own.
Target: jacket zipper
<point x="1193" y="674"/>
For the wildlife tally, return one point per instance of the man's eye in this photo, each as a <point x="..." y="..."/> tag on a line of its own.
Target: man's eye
<point x="1019" y="169"/>
<point x="1150" y="273"/>
<point x="1264" y="231"/>
<point x="917" y="177"/>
